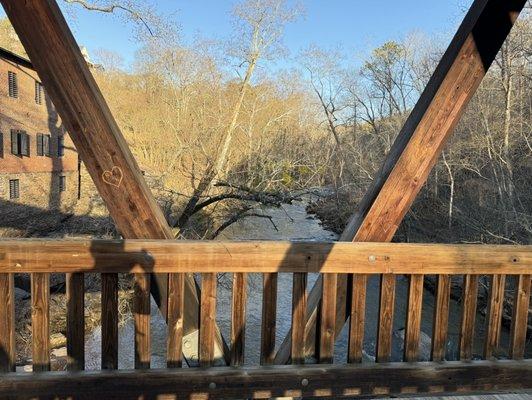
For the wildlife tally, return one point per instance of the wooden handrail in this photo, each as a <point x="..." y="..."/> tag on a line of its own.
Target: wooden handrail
<point x="136" y="256"/>
<point x="76" y="257"/>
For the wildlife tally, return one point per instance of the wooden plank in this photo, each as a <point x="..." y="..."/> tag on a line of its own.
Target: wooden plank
<point x="386" y="311"/>
<point x="238" y="318"/>
<point x="269" y="317"/>
<point x="424" y="134"/>
<point x="520" y="317"/>
<point x="327" y="319"/>
<point x="413" y="318"/>
<point x="174" y="342"/>
<point x="207" y="319"/>
<point x="352" y="381"/>
<point x="358" y="316"/>
<point x="494" y="315"/>
<point x="7" y="323"/>
<point x="141" y="314"/>
<point x="168" y="256"/>
<point x="75" y="329"/>
<point x="469" y="310"/>
<point x="84" y="112"/>
<point x="440" y="324"/>
<point x="40" y="320"/>
<point x="299" y="314"/>
<point x="109" y="321"/>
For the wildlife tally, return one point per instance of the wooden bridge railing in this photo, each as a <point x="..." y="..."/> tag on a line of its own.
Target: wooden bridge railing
<point x="75" y="258"/>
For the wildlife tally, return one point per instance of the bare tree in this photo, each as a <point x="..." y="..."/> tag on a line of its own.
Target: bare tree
<point x="259" y="27"/>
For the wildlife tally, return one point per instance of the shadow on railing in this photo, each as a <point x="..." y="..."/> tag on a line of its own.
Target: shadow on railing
<point x="272" y="259"/>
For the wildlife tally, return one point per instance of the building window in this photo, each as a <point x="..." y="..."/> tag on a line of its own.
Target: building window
<point x="20" y="143"/>
<point x="62" y="183"/>
<point x="14" y="189"/>
<point x="13" y="84"/>
<point x="60" y="146"/>
<point x="43" y="145"/>
<point x="38" y="92"/>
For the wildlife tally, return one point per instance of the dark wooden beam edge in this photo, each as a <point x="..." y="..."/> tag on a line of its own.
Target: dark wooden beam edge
<point x="353" y="380"/>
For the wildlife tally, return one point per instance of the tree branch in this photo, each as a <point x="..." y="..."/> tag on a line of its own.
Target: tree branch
<point x="136" y="15"/>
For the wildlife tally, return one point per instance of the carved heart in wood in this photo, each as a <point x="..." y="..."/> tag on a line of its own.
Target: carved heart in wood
<point x="113" y="177"/>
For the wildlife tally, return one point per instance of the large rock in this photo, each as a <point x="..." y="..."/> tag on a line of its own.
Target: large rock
<point x="21" y="295"/>
<point x="424" y="343"/>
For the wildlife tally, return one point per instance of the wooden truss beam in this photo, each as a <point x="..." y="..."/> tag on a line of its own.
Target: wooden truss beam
<point x="277" y="381"/>
<point x="418" y="146"/>
<point x="57" y="59"/>
<point x="168" y="256"/>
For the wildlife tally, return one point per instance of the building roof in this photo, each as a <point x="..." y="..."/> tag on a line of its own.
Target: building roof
<point x="9" y="55"/>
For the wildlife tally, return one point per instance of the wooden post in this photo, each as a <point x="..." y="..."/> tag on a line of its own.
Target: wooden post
<point x="440" y="325"/>
<point x="238" y="318"/>
<point x="7" y="323"/>
<point x="75" y="293"/>
<point x="57" y="59"/>
<point x="40" y="321"/>
<point x="299" y="313"/>
<point x="422" y="138"/>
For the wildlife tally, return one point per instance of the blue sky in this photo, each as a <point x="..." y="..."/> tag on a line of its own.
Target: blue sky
<point x="355" y="25"/>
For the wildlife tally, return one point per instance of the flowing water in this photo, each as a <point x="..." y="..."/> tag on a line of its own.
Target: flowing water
<point x="292" y="222"/>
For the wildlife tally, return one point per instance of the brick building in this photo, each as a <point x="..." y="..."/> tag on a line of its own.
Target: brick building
<point x="38" y="162"/>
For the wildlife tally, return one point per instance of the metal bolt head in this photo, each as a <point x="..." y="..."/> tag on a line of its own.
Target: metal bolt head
<point x="18" y="265"/>
<point x="372" y="258"/>
<point x="212" y="385"/>
<point x="304" y="382"/>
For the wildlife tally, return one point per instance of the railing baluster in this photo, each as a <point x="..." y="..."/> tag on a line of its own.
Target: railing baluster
<point x="174" y="350"/>
<point x="238" y="318"/>
<point x="469" y="310"/>
<point x="75" y="329"/>
<point x="141" y="310"/>
<point x="109" y="321"/>
<point x="328" y="318"/>
<point x="357" y="318"/>
<point x="520" y="317"/>
<point x="207" y="319"/>
<point x="269" y="315"/>
<point x="440" y="324"/>
<point x="299" y="313"/>
<point x="40" y="317"/>
<point x="413" y="317"/>
<point x="7" y="323"/>
<point x="386" y="310"/>
<point x="494" y="315"/>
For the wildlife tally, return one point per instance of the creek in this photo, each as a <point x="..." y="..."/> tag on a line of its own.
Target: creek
<point x="292" y="222"/>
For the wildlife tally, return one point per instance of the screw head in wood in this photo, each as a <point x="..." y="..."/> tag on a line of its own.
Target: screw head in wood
<point x="304" y="382"/>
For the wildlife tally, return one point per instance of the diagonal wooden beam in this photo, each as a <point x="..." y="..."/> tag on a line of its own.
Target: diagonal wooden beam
<point x="420" y="142"/>
<point x="57" y="59"/>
